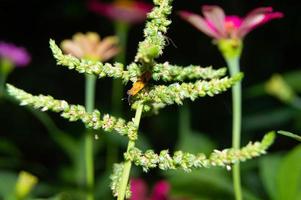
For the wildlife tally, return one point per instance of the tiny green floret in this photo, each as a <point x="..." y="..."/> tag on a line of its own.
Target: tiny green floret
<point x="92" y="120"/>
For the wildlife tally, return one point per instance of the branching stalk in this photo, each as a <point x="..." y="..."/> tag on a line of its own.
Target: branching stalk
<point x="121" y="30"/>
<point x="128" y="163"/>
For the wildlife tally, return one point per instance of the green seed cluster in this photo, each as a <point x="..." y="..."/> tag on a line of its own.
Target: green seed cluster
<point x="154" y="31"/>
<point x="167" y="72"/>
<point x="188" y="161"/>
<point x="156" y="97"/>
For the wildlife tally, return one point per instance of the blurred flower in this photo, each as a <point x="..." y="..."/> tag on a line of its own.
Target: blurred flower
<point x="127" y="11"/>
<point x="278" y="88"/>
<point x="140" y="190"/>
<point x="25" y="184"/>
<point x="219" y="26"/>
<point x="90" y="46"/>
<point x="17" y="56"/>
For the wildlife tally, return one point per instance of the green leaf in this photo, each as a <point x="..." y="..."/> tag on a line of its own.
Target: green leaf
<point x="291" y="135"/>
<point x="289" y="176"/>
<point x="7" y="184"/>
<point x="201" y="183"/>
<point x="204" y="184"/>
<point x="268" y="169"/>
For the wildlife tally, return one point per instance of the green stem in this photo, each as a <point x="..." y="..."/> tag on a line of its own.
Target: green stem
<point x="2" y="84"/>
<point x="6" y="68"/>
<point x="184" y="122"/>
<point x="121" y="30"/>
<point x="233" y="65"/>
<point x="89" y="139"/>
<point x="128" y="164"/>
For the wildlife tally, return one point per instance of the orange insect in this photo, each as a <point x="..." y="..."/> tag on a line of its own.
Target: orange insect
<point x="139" y="84"/>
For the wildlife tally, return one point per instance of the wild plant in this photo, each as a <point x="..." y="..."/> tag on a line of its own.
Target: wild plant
<point x="147" y="95"/>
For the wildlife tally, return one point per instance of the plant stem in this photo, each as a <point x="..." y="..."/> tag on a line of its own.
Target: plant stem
<point x="5" y="69"/>
<point x="121" y="30"/>
<point x="89" y="139"/>
<point x="233" y="65"/>
<point x="2" y="84"/>
<point x="128" y="164"/>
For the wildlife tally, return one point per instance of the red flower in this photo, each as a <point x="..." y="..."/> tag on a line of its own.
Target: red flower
<point x="219" y="26"/>
<point x="128" y="11"/>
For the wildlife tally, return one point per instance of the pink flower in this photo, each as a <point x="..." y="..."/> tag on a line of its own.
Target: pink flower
<point x="18" y="56"/>
<point x="127" y="11"/>
<point x="140" y="191"/>
<point x="219" y="26"/>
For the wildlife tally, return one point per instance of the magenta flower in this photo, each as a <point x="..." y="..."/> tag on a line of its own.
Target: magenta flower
<point x="140" y="190"/>
<point x="18" y="56"/>
<point x="219" y="26"/>
<point x="127" y="11"/>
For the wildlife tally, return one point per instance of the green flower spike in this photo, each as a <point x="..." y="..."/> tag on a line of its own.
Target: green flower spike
<point x="156" y="97"/>
<point x="75" y="112"/>
<point x="167" y="72"/>
<point x="188" y="161"/>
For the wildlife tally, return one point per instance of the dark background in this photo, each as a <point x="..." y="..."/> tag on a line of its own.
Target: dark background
<point x="274" y="47"/>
